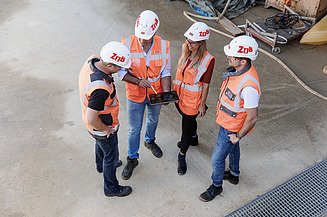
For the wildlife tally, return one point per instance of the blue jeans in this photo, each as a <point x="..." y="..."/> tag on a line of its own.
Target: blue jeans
<point x="223" y="148"/>
<point x="135" y="113"/>
<point x="106" y="159"/>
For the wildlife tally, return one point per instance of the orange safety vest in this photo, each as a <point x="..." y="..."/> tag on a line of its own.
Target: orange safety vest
<point x="188" y="85"/>
<point x="91" y="79"/>
<point x="158" y="61"/>
<point x="231" y="113"/>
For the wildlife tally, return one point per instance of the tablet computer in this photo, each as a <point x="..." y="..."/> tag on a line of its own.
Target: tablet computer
<point x="165" y="97"/>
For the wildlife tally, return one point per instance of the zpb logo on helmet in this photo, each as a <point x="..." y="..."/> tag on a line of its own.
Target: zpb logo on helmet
<point x="117" y="58"/>
<point x="244" y="50"/>
<point x="138" y="21"/>
<point x="155" y="24"/>
<point x="204" y="33"/>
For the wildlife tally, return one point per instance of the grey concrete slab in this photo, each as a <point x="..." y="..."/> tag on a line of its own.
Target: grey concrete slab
<point x="46" y="156"/>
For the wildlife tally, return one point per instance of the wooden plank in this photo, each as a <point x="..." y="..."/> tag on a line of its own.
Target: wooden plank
<point x="230" y="26"/>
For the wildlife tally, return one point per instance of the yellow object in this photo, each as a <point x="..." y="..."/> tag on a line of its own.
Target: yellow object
<point x="317" y="34"/>
<point x="325" y="70"/>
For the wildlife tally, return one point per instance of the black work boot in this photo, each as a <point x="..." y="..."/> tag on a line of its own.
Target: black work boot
<point x="210" y="193"/>
<point x="194" y="140"/>
<point x="122" y="192"/>
<point x="181" y="168"/>
<point x="155" y="149"/>
<point x="231" y="178"/>
<point x="128" y="169"/>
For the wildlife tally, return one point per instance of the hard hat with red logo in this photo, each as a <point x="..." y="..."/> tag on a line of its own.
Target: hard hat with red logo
<point x="242" y="46"/>
<point x="146" y="25"/>
<point x="199" y="31"/>
<point x="116" y="53"/>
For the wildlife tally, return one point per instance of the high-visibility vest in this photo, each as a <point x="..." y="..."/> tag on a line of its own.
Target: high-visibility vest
<point x="188" y="85"/>
<point x="231" y="113"/>
<point x="91" y="79"/>
<point x="158" y="61"/>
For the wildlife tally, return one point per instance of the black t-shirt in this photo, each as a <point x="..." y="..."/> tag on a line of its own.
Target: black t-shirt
<point x="97" y="99"/>
<point x="99" y="96"/>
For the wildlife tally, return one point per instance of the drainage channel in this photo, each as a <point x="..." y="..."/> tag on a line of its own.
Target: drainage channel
<point x="303" y="195"/>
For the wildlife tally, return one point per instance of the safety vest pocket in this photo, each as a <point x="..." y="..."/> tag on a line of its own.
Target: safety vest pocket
<point x="133" y="89"/>
<point x="227" y="111"/>
<point x="154" y="69"/>
<point x="189" y="76"/>
<point x="158" y="63"/>
<point x="191" y="99"/>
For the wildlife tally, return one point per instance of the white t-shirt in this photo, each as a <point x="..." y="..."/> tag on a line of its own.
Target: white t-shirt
<point x="251" y="97"/>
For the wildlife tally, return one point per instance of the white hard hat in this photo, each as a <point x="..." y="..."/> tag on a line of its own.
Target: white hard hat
<point x="242" y="46"/>
<point x="116" y="53"/>
<point x="146" y="25"/>
<point x="198" y="32"/>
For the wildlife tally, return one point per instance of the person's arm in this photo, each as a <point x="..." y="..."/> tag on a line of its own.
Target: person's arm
<point x="250" y="120"/>
<point x="92" y="117"/>
<point x="205" y="91"/>
<point x="121" y="73"/>
<point x="251" y="102"/>
<point x="137" y="81"/>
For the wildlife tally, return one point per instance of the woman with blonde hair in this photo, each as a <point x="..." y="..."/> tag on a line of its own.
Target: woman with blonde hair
<point x="193" y="76"/>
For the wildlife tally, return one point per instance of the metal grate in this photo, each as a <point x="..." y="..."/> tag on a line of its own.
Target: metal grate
<point x="303" y="195"/>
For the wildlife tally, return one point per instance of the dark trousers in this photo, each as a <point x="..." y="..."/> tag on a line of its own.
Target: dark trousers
<point x="189" y="127"/>
<point x="106" y="159"/>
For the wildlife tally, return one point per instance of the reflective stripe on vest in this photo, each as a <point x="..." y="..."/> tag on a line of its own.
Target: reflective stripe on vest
<point x="95" y="84"/>
<point x="154" y="79"/>
<point x="137" y="55"/>
<point x="164" y="56"/>
<point x="203" y="67"/>
<point x="193" y="88"/>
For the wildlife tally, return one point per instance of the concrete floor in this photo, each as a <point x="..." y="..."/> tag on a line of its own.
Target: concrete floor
<point x="47" y="158"/>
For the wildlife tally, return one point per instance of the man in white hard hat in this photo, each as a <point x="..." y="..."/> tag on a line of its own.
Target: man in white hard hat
<point x="237" y="112"/>
<point x="100" y="109"/>
<point x="150" y="70"/>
